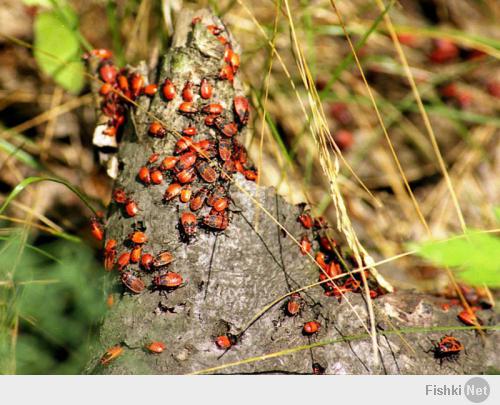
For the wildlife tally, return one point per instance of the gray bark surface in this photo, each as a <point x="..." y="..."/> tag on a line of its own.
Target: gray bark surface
<point x="231" y="276"/>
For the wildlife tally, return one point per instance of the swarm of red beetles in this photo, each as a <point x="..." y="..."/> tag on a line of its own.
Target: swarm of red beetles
<point x="196" y="176"/>
<point x="331" y="263"/>
<point x="119" y="87"/>
<point x="476" y="298"/>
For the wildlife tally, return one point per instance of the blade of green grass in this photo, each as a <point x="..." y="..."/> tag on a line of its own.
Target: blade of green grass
<point x="19" y="154"/>
<point x="30" y="180"/>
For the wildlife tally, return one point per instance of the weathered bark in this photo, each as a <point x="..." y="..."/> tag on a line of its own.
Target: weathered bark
<point x="231" y="276"/>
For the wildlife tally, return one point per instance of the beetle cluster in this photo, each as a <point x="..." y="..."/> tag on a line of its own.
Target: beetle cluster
<point x="197" y="174"/>
<point x="476" y="298"/>
<point x="329" y="258"/>
<point x="119" y="87"/>
<point x="200" y="169"/>
<point x="143" y="261"/>
<point x="207" y="152"/>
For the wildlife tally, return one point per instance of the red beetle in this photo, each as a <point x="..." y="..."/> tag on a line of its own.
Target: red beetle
<point x="210" y="120"/>
<point x="135" y="254"/>
<point x="241" y="108"/>
<point x="110" y="245"/>
<point x="147" y="261"/>
<point x="352" y="284"/>
<point x="123" y="84"/>
<point x="220" y="204"/>
<point x="100" y="53"/>
<point x="168" y="90"/>
<point x="138" y="237"/>
<point x="320" y="259"/>
<point x="226" y="73"/>
<point x="136" y="84"/>
<point x="327" y="244"/>
<point x="172" y="191"/>
<point x="163" y="259"/>
<point x="96" y="229"/>
<point x="234" y="61"/>
<point x="222" y="39"/>
<point x="150" y="90"/>
<point x="187" y="107"/>
<point x="105" y="89"/>
<point x="213" y="109"/>
<point x="133" y="283"/>
<point x="305" y="245"/>
<point x="199" y="199"/>
<point x="123" y="261"/>
<point x="447" y="348"/>
<point x="207" y="172"/>
<point x="469" y="318"/>
<point x="186" y="194"/>
<point x="186" y="160"/>
<point x="153" y="158"/>
<point x="144" y="175"/>
<point x="187" y="92"/>
<point x="205" y="89"/>
<point x="333" y="269"/>
<point x="214" y="29"/>
<point x="110" y="254"/>
<point x="251" y="175"/>
<point x="156" y="177"/>
<point x="229" y="130"/>
<point x="205" y="148"/>
<point x="131" y="208"/>
<point x="188" y="223"/>
<point x="311" y="328"/>
<point x="216" y="221"/>
<point x="189" y="131"/>
<point x="225" y="341"/>
<point x="320" y="222"/>
<point x="227" y="169"/>
<point x="110" y="131"/>
<point x="305" y="220"/>
<point x="231" y="58"/>
<point x="294" y="304"/>
<point x="218" y="192"/>
<point x="111" y="354"/>
<point x="169" y="280"/>
<point x="318" y="369"/>
<point x="156" y="347"/>
<point x="108" y="72"/>
<point x="186" y="176"/>
<point x="225" y="148"/>
<point x="183" y="144"/>
<point x="157" y="130"/>
<point x="169" y="163"/>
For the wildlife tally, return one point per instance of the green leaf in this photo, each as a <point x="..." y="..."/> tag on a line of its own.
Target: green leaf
<point x="476" y="257"/>
<point x="57" y="48"/>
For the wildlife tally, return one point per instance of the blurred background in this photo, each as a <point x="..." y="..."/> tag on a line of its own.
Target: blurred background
<point x="53" y="290"/>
